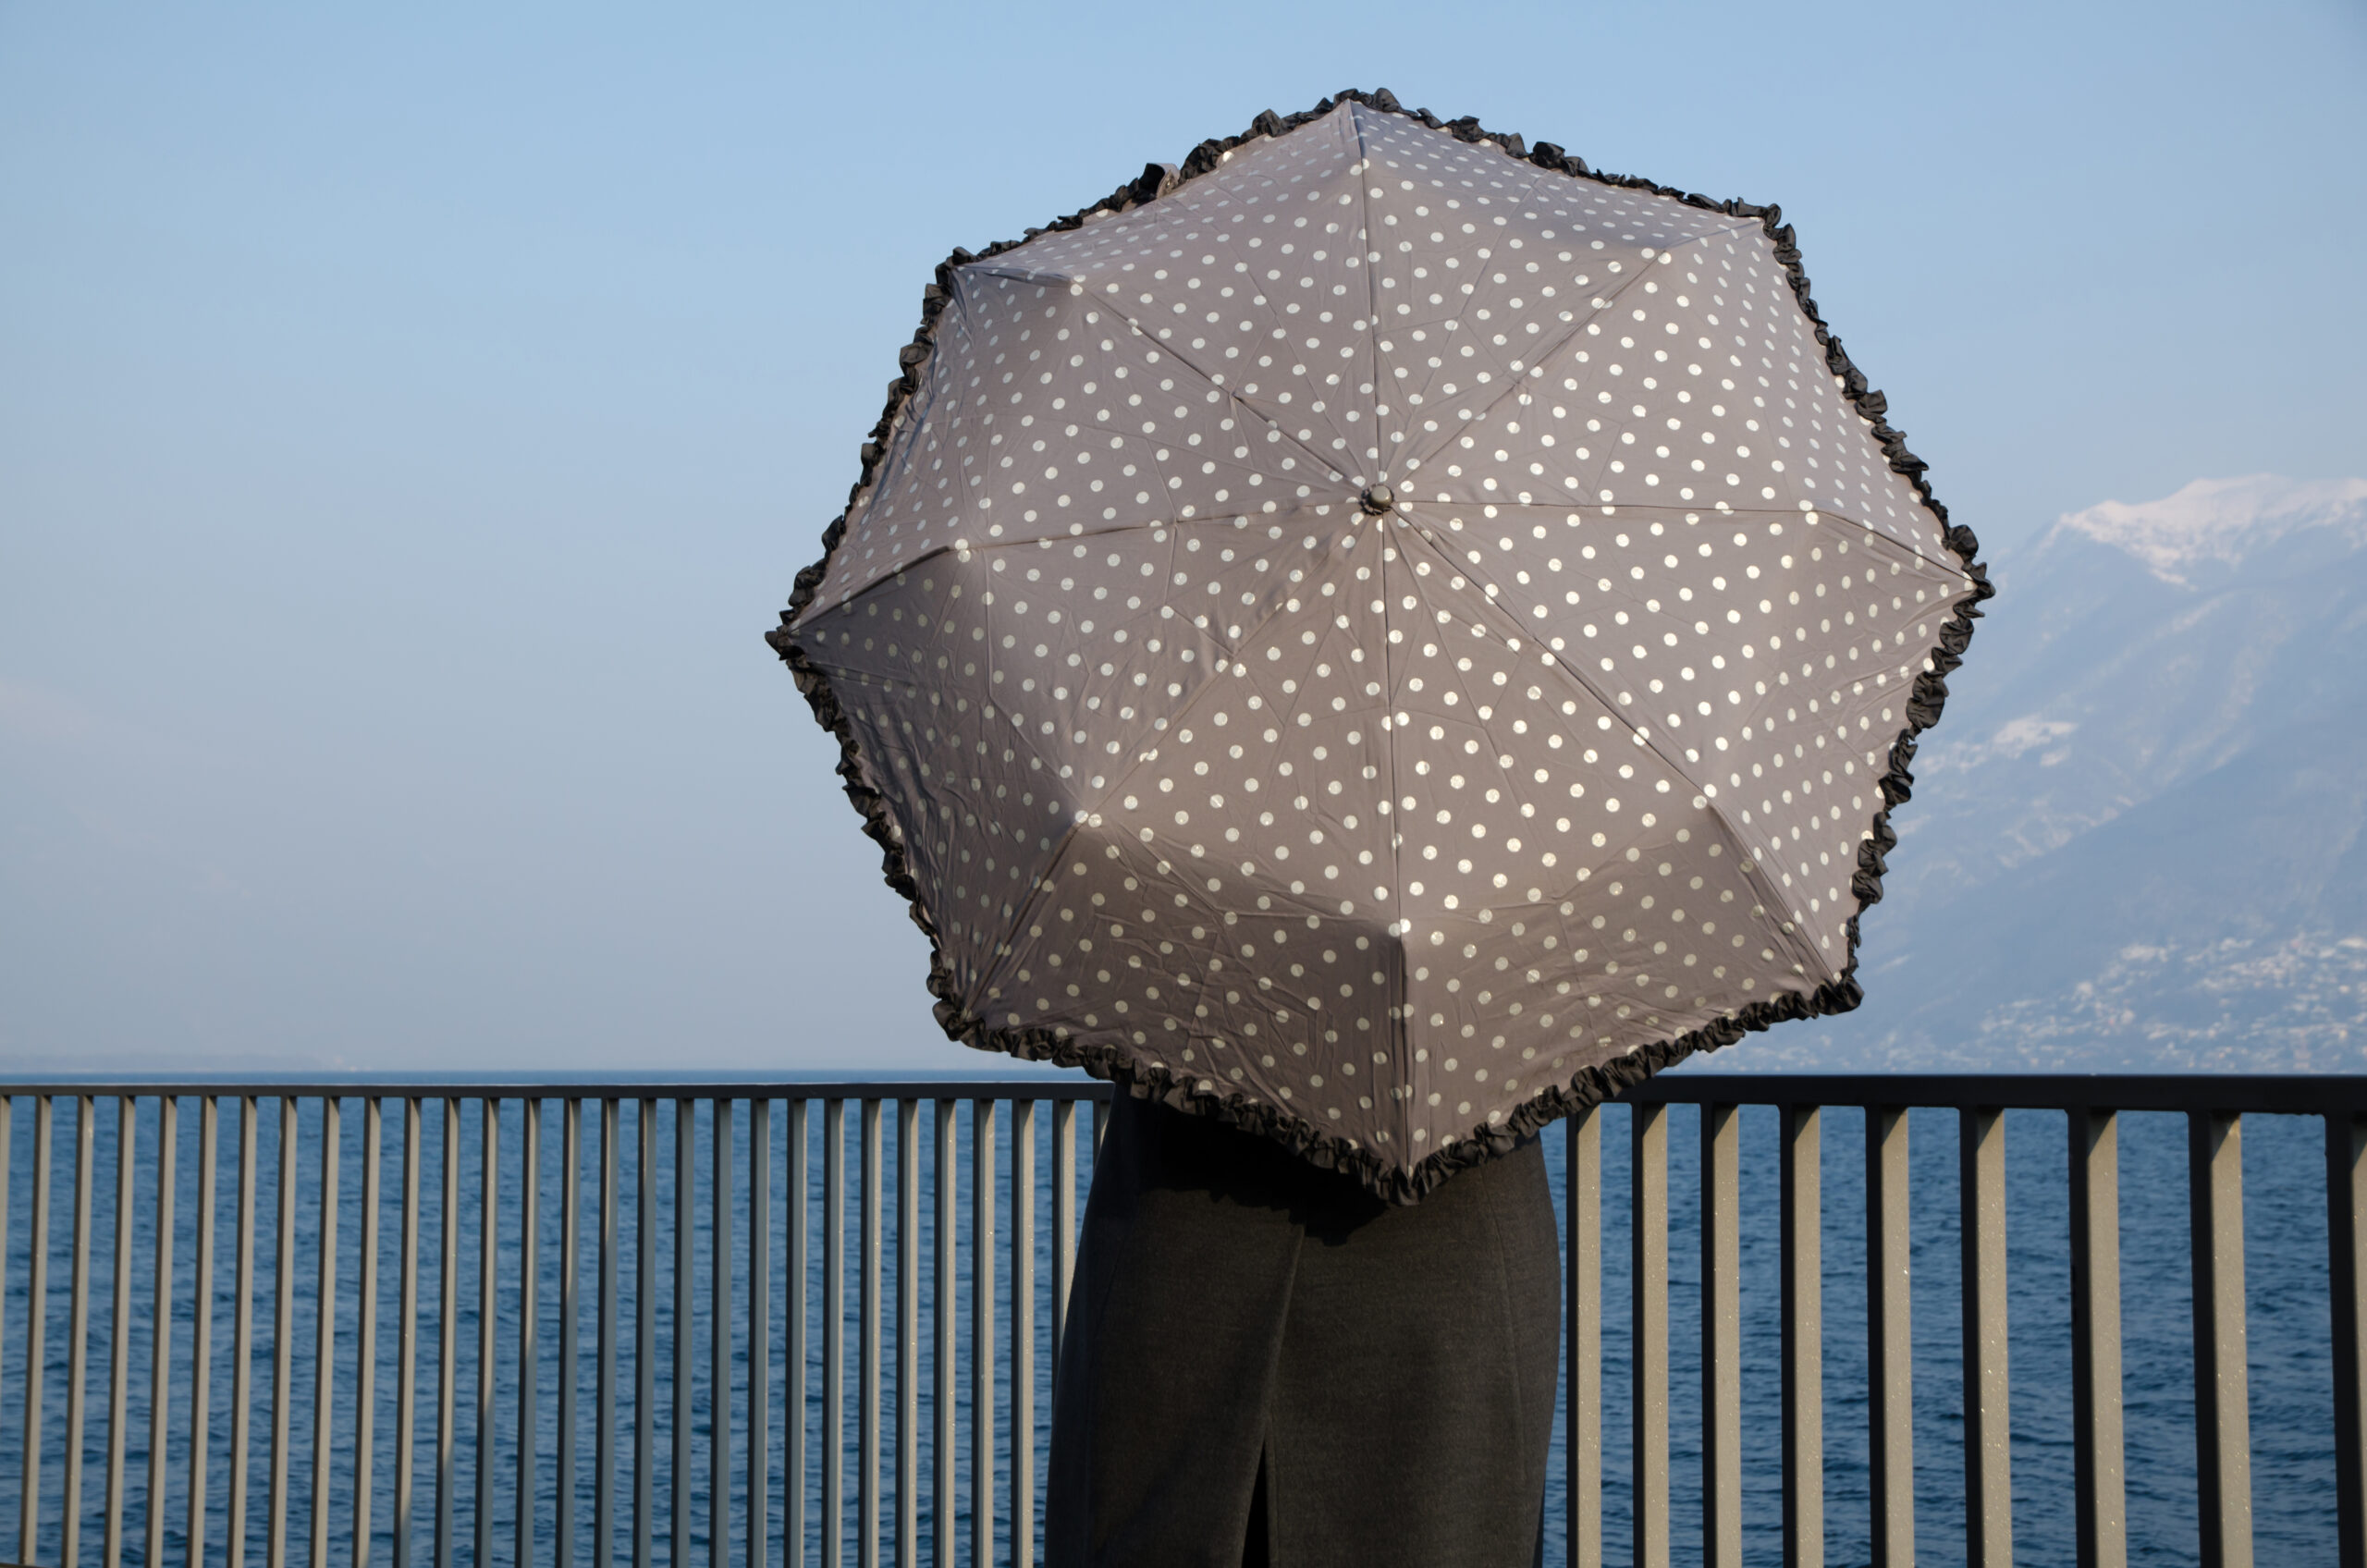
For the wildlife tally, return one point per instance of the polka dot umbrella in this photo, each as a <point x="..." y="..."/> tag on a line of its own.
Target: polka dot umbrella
<point x="1382" y="635"/>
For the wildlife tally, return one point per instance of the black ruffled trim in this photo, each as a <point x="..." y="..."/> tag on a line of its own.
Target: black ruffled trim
<point x="1592" y="1086"/>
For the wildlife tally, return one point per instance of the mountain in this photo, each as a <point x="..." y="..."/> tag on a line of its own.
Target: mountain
<point x="2136" y="837"/>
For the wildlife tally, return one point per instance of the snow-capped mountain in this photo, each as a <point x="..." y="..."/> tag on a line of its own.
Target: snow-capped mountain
<point x="2136" y="837"/>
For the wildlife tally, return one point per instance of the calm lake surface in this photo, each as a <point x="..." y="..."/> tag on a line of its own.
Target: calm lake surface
<point x="2286" y="1257"/>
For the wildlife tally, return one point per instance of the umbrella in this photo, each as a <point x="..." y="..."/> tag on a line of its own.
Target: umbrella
<point x="1382" y="635"/>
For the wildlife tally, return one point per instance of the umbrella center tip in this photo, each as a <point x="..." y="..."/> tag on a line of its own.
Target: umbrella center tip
<point x="1377" y="501"/>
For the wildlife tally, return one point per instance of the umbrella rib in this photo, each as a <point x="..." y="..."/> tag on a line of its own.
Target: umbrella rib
<point x="1770" y="896"/>
<point x="820" y="609"/>
<point x="974" y="486"/>
<point x="933" y="393"/>
<point x="1768" y="892"/>
<point x="932" y="386"/>
<point x="1873" y="533"/>
<point x="1399" y="1062"/>
<point x="1373" y="291"/>
<point x="1229" y="396"/>
<point x="1397" y="1034"/>
<point x="1638" y="732"/>
<point x="1538" y="180"/>
<point x="1006" y="948"/>
<point x="1005" y="952"/>
<point x="1576" y="326"/>
<point x="1184" y="712"/>
<point x="1877" y="536"/>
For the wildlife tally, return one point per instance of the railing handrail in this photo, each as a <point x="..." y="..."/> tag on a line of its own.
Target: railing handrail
<point x="583" y="1088"/>
<point x="2271" y="1094"/>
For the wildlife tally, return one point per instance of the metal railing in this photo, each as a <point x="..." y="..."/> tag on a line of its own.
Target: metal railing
<point x="2214" y="1106"/>
<point x="924" y="1445"/>
<point x="688" y="1496"/>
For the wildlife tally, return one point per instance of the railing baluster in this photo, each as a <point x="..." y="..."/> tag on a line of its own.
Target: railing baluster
<point x="77" y="1326"/>
<point x="908" y="1322"/>
<point x="447" y="1285"/>
<point x="201" y="1372"/>
<point x="982" y="1333"/>
<point x="866" y="1540"/>
<point x="2097" y="1485"/>
<point x="1889" y="1346"/>
<point x="834" y="1331"/>
<point x="242" y="1328"/>
<point x="8" y="1133"/>
<point x="2347" y="1248"/>
<point x="1647" y="1242"/>
<point x="644" y="1334"/>
<point x="1022" y="1476"/>
<point x="488" y="1259"/>
<point x="719" y="1317"/>
<point x="1803" y="1255"/>
<point x="796" y="1159"/>
<point x="1064" y="1229"/>
<point x="1721" y="1337"/>
<point x="1582" y="1406"/>
<point x="283" y="1337"/>
<point x="604" y="1386"/>
<point x="760" y="1330"/>
<point x="407" y="1335"/>
<point x="530" y="1359"/>
<point x="571" y="1271"/>
<point x="1081" y="1327"/>
<point x="365" y="1380"/>
<point x="2222" y="1434"/>
<point x="119" y="1328"/>
<point x="677" y="1480"/>
<point x="941" y="1499"/>
<point x="37" y="1337"/>
<point x="160" y="1326"/>
<point x="1988" y="1482"/>
<point x="323" y="1340"/>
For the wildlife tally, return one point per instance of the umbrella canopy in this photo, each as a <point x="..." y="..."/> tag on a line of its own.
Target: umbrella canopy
<point x="1383" y="636"/>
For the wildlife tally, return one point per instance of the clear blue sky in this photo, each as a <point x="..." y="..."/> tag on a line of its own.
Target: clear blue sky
<point x="411" y="417"/>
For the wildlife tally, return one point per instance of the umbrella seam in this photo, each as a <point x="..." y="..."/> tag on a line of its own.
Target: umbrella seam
<point x="1103" y="531"/>
<point x="1756" y="867"/>
<point x="1396" y="1015"/>
<point x="1231" y="396"/>
<point x="1577" y="329"/>
<point x="1380" y="464"/>
<point x="1176" y="719"/>
<point x="1446" y="437"/>
<point x="1585" y="681"/>
<point x="1400" y="1040"/>
<point x="1008" y="946"/>
<point x="1738" y="513"/>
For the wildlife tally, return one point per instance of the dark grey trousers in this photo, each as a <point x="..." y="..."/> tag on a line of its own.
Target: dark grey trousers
<point x="1267" y="1364"/>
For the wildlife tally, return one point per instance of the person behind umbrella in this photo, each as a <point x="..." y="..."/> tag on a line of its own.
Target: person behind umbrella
<point x="1370" y="640"/>
<point x="1272" y="1364"/>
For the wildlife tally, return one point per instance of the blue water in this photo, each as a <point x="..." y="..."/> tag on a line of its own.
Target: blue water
<point x="2284" y="1231"/>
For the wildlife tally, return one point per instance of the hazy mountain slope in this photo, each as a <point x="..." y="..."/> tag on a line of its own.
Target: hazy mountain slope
<point x="2136" y="838"/>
